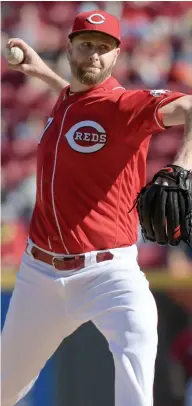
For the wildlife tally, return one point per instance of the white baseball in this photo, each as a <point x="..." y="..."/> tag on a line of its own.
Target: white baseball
<point x="14" y="55"/>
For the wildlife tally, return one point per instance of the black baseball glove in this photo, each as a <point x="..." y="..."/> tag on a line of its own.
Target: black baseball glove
<point x="164" y="207"/>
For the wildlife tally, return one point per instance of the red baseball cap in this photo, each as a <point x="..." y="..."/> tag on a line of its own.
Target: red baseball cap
<point x="96" y="20"/>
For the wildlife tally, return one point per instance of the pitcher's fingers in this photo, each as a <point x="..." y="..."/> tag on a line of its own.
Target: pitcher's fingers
<point x="12" y="42"/>
<point x="14" y="67"/>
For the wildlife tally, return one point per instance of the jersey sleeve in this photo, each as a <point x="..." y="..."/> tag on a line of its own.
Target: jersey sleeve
<point x="139" y="111"/>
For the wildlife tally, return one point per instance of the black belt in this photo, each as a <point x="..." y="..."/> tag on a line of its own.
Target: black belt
<point x="75" y="262"/>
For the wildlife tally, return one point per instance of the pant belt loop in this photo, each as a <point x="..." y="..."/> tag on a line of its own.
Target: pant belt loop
<point x="87" y="259"/>
<point x="93" y="257"/>
<point x="29" y="249"/>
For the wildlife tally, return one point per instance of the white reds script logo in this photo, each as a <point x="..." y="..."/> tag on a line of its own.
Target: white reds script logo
<point x="91" y="19"/>
<point x="86" y="137"/>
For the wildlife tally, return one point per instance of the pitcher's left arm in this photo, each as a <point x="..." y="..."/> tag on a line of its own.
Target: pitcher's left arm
<point x="174" y="113"/>
<point x="180" y="112"/>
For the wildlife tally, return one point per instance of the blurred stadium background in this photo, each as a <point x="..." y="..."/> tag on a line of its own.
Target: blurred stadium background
<point x="156" y="53"/>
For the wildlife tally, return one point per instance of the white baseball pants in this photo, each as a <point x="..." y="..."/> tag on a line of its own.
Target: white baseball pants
<point x="48" y="305"/>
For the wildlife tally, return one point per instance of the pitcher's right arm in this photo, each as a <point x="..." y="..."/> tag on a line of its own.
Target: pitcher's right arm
<point x="34" y="66"/>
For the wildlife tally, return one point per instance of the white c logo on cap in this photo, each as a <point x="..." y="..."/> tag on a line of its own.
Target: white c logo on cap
<point x="90" y="19"/>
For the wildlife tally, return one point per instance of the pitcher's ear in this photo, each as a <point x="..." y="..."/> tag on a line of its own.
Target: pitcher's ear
<point x="69" y="48"/>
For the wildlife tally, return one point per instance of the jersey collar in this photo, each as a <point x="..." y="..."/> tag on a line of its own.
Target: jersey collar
<point x="109" y="84"/>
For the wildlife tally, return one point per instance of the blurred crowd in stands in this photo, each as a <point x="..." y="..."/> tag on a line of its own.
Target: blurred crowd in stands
<point x="156" y="53"/>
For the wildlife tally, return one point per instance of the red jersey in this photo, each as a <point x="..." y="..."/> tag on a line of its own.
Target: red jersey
<point x="91" y="162"/>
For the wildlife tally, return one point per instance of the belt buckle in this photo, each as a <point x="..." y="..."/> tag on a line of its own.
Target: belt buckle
<point x="53" y="261"/>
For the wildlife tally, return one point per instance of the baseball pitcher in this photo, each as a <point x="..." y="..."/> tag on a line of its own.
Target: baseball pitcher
<point x="80" y="261"/>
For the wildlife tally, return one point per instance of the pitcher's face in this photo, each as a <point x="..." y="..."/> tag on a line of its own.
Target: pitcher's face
<point x="92" y="56"/>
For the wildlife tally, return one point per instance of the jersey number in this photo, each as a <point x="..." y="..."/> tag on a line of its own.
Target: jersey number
<point x="49" y="121"/>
